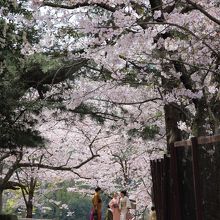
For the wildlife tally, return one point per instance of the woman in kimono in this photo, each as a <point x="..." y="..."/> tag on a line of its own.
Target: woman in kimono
<point x="124" y="205"/>
<point x="114" y="206"/>
<point x="153" y="215"/>
<point x="96" y="213"/>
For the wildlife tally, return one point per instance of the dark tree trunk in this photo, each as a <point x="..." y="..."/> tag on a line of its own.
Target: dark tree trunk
<point x="29" y="209"/>
<point x="1" y="201"/>
<point x="172" y="117"/>
<point x="29" y="202"/>
<point x="209" y="159"/>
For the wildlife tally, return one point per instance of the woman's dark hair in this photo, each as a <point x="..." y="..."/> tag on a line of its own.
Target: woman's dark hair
<point x="124" y="192"/>
<point x="97" y="189"/>
<point x="152" y="208"/>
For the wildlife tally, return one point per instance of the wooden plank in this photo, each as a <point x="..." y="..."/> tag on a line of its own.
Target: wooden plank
<point x="196" y="180"/>
<point x="153" y="181"/>
<point x="201" y="140"/>
<point x="208" y="139"/>
<point x="162" y="188"/>
<point x="176" y="209"/>
<point x="159" y="193"/>
<point x="167" y="191"/>
<point x="182" y="143"/>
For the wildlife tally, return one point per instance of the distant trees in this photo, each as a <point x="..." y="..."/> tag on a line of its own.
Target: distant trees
<point x="53" y="200"/>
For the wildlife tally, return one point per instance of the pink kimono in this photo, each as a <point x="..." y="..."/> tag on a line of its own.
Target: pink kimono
<point x="114" y="206"/>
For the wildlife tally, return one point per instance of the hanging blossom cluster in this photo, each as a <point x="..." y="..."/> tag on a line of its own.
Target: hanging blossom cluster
<point x="183" y="127"/>
<point x="123" y="22"/>
<point x="36" y="3"/>
<point x="178" y="94"/>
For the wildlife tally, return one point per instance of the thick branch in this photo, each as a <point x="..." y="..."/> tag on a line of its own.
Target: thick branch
<point x="80" y="5"/>
<point x="201" y="9"/>
<point x="123" y="166"/>
<point x="100" y="114"/>
<point x="86" y="161"/>
<point x="12" y="185"/>
<point x="36" y="77"/>
<point x="11" y="171"/>
<point x="6" y="155"/>
<point x="61" y="168"/>
<point x="92" y="142"/>
<point x="131" y="103"/>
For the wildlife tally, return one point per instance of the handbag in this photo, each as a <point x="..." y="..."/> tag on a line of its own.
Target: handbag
<point x="115" y="205"/>
<point x="129" y="216"/>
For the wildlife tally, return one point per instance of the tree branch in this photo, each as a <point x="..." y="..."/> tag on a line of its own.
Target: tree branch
<point x="80" y="5"/>
<point x="61" y="168"/>
<point x="184" y="29"/>
<point x="201" y="9"/>
<point x="130" y="103"/>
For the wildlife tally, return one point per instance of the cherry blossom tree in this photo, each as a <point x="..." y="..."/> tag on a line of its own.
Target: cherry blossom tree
<point x="76" y="144"/>
<point x="172" y="45"/>
<point x="166" y="44"/>
<point x="139" y="56"/>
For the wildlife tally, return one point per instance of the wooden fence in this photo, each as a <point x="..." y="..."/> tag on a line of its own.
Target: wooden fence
<point x="186" y="184"/>
<point x="34" y="219"/>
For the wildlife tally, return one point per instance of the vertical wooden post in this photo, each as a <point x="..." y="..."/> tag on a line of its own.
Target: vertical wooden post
<point x="155" y="184"/>
<point x="167" y="190"/>
<point x="158" y="191"/>
<point x="176" y="209"/>
<point x="196" y="179"/>
<point x="152" y="164"/>
<point x="162" y="188"/>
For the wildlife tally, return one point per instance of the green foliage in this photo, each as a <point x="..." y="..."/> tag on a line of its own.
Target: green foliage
<point x="85" y="109"/>
<point x="134" y="132"/>
<point x="10" y="200"/>
<point x="51" y="203"/>
<point x="16" y="124"/>
<point x="149" y="132"/>
<point x="10" y="205"/>
<point x="16" y="127"/>
<point x="77" y="203"/>
<point x="44" y="61"/>
<point x="8" y="217"/>
<point x="179" y="35"/>
<point x="64" y="31"/>
<point x="131" y="76"/>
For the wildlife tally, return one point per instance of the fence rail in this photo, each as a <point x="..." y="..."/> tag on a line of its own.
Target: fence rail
<point x="33" y="219"/>
<point x="195" y="161"/>
<point x="200" y="140"/>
